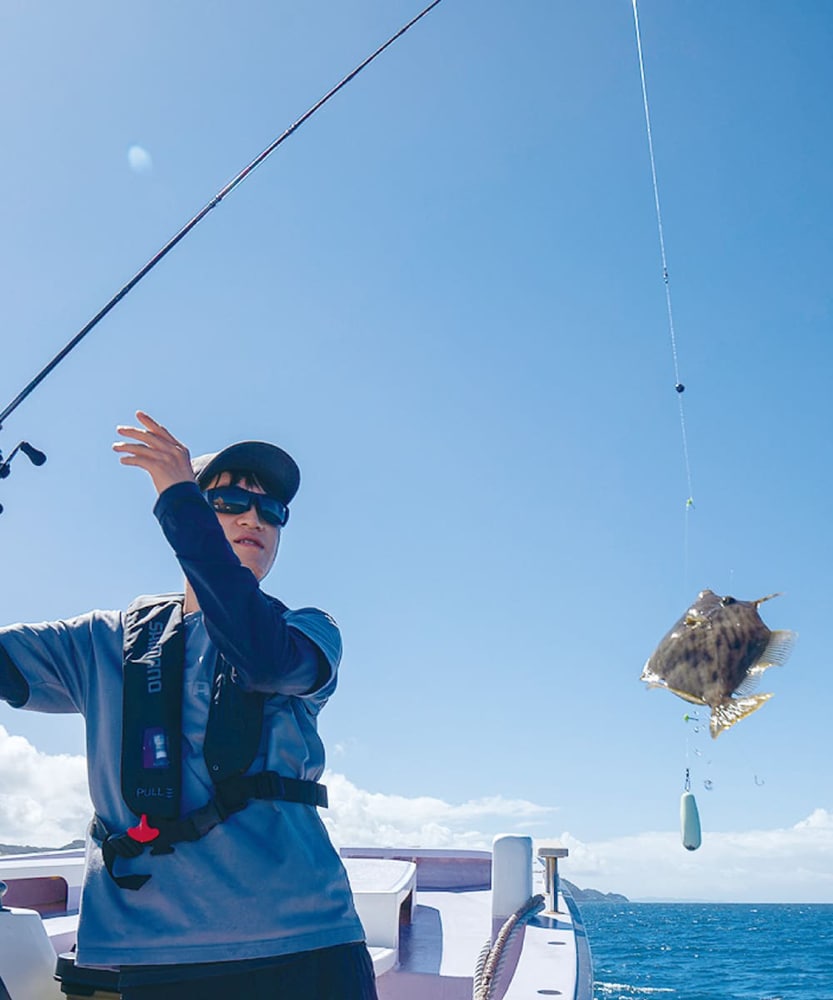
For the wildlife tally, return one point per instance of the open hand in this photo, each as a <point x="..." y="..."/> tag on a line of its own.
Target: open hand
<point x="157" y="451"/>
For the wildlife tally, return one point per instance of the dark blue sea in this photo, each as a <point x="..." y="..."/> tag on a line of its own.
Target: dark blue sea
<point x="710" y="951"/>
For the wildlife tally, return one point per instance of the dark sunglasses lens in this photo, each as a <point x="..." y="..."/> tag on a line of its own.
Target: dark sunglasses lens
<point x="236" y="500"/>
<point x="271" y="510"/>
<point x="229" y="500"/>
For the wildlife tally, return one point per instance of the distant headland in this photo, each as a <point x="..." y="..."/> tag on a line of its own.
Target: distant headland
<point x="18" y="849"/>
<point x="592" y="895"/>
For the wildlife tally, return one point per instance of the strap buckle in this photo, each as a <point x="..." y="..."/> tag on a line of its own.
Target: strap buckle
<point x="230" y="796"/>
<point x="144" y="833"/>
<point x="268" y="785"/>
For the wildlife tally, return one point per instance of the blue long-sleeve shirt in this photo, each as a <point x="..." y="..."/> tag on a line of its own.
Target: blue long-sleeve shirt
<point x="268" y="654"/>
<point x="266" y="882"/>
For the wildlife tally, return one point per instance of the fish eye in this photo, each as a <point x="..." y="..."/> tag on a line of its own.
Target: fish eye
<point x="727" y="600"/>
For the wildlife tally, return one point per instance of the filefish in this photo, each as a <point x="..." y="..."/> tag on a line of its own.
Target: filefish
<point x="715" y="654"/>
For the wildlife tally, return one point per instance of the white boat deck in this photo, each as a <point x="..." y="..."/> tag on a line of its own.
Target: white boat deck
<point x="451" y="922"/>
<point x="539" y="972"/>
<point x="383" y="892"/>
<point x="427" y="916"/>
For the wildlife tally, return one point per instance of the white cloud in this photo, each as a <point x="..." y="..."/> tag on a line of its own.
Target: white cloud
<point x="43" y="798"/>
<point x="794" y="864"/>
<point x="44" y="802"/>
<point x="359" y="818"/>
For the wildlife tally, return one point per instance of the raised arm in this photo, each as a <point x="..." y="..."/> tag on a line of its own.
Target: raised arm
<point x="245" y="624"/>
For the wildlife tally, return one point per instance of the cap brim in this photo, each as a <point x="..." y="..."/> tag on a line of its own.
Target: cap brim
<point x="275" y="470"/>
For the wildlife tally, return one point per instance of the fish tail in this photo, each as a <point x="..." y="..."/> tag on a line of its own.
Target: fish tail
<point x="732" y="711"/>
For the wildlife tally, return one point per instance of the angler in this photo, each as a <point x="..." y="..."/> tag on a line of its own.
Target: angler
<point x="201" y="714"/>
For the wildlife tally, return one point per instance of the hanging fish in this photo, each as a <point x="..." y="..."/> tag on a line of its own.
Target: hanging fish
<point x="718" y="649"/>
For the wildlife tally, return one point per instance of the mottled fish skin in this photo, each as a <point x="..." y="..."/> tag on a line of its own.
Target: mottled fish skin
<point x="710" y="652"/>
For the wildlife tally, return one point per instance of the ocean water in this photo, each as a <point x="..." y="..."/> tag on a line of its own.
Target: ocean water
<point x="710" y="951"/>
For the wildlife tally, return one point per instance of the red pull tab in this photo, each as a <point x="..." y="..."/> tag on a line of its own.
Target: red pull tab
<point x="144" y="833"/>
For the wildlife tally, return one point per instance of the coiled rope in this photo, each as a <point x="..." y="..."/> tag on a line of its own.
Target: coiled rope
<point x="492" y="955"/>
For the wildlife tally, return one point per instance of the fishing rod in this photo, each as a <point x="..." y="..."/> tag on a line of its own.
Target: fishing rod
<point x="38" y="457"/>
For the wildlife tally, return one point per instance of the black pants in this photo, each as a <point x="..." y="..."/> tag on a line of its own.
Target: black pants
<point x="343" y="972"/>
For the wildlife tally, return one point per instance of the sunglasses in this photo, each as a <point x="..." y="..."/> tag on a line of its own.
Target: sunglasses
<point x="236" y="500"/>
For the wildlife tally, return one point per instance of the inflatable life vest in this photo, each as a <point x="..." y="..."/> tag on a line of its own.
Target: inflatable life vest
<point x="151" y="753"/>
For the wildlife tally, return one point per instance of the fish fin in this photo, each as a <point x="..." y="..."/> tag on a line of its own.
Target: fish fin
<point x="726" y="715"/>
<point x="686" y="696"/>
<point x="655" y="681"/>
<point x="767" y="598"/>
<point x="749" y="685"/>
<point x="777" y="651"/>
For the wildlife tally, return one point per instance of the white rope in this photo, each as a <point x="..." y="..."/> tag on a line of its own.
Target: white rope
<point x="665" y="278"/>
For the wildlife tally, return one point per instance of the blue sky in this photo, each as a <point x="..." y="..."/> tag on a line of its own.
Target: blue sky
<point x="443" y="296"/>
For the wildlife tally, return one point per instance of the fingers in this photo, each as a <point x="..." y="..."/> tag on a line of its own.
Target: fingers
<point x="151" y="429"/>
<point x="154" y="426"/>
<point x="153" y="448"/>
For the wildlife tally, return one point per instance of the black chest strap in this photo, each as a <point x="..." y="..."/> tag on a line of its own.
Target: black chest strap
<point x="231" y="795"/>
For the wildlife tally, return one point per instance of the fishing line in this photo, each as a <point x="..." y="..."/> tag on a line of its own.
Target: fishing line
<point x="232" y="184"/>
<point x="678" y="385"/>
<point x="690" y="829"/>
<point x="696" y="732"/>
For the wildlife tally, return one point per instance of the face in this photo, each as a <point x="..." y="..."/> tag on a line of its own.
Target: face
<point x="253" y="541"/>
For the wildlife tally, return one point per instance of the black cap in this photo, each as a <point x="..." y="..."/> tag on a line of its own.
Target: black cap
<point x="275" y="470"/>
